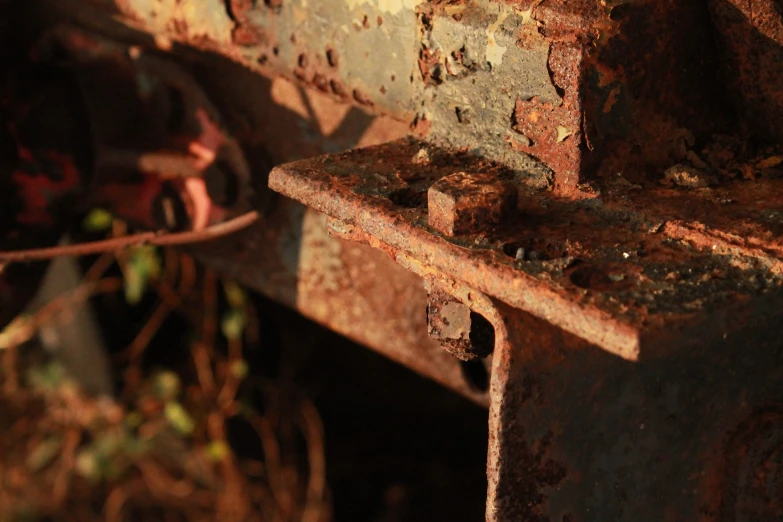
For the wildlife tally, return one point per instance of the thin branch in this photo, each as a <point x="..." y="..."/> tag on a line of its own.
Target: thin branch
<point x="120" y="243"/>
<point x="313" y="431"/>
<point x="65" y="302"/>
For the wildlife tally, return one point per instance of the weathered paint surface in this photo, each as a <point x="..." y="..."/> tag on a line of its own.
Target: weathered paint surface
<point x="386" y="6"/>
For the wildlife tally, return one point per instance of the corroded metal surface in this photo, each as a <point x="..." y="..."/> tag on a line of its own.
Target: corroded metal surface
<point x="751" y="39"/>
<point x="466" y="335"/>
<point x="623" y="271"/>
<point x="530" y="202"/>
<point x="555" y="90"/>
<point x="579" y="435"/>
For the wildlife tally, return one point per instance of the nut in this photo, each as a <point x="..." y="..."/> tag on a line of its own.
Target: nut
<point x="464" y="203"/>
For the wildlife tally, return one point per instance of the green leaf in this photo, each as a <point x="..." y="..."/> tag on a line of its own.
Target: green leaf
<point x="133" y="420"/>
<point x="143" y="266"/>
<point x="135" y="284"/>
<point x="166" y="385"/>
<point x="235" y="295"/>
<point x="88" y="465"/>
<point x="233" y="324"/>
<point x="109" y="443"/>
<point x="136" y="447"/>
<point x="239" y="369"/>
<point x="217" y="451"/>
<point x="98" y="220"/>
<point x="44" y="454"/>
<point x="178" y="418"/>
<point x="46" y="377"/>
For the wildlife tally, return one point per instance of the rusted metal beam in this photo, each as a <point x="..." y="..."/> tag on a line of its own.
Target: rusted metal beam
<point x="620" y="278"/>
<point x="579" y="435"/>
<point x="559" y="91"/>
<point x="688" y="298"/>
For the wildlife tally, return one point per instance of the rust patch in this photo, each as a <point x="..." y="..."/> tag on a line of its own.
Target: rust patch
<point x="430" y="67"/>
<point x="751" y="40"/>
<point x="244" y="33"/>
<point x="464" y="334"/>
<point x="420" y="125"/>
<point x="554" y="136"/>
<point x="754" y="466"/>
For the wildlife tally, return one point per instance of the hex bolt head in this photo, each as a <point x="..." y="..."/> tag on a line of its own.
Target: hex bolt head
<point x="464" y="334"/>
<point x="464" y="203"/>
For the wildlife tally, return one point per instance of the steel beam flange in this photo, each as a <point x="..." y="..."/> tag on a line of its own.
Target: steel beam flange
<point x="637" y="274"/>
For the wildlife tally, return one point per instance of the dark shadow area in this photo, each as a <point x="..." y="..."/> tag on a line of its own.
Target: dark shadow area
<point x="750" y="39"/>
<point x="399" y="447"/>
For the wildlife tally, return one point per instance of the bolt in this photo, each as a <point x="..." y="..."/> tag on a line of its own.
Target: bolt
<point x="466" y="335"/>
<point x="473" y="203"/>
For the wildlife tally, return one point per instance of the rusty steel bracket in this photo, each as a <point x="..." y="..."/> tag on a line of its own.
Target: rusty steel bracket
<point x="584" y="295"/>
<point x="635" y="273"/>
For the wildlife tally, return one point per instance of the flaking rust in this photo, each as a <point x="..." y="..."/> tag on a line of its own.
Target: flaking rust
<point x="633" y="78"/>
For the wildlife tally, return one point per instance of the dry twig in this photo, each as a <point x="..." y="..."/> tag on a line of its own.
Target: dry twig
<point x="120" y="243"/>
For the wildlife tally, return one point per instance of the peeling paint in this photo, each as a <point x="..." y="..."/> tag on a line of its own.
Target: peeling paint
<point x="562" y="133"/>
<point x="452" y="10"/>
<point x="206" y="18"/>
<point x="527" y="15"/>
<point x="495" y="52"/>
<point x="386" y="6"/>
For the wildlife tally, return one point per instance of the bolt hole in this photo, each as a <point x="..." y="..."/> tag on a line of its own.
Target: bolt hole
<point x="482" y="335"/>
<point x="408" y="198"/>
<point x="462" y="115"/>
<point x="302" y="61"/>
<point x="338" y="88"/>
<point x="331" y="57"/>
<point x="591" y="277"/>
<point x="275" y="50"/>
<point x="475" y="374"/>
<point x="263" y="59"/>
<point x="535" y="250"/>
